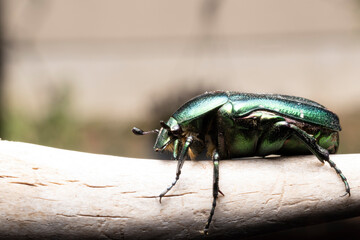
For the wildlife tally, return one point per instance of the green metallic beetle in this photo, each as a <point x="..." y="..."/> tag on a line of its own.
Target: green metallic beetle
<point x="232" y="125"/>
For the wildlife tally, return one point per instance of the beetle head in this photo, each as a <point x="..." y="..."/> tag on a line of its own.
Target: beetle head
<point x="168" y="133"/>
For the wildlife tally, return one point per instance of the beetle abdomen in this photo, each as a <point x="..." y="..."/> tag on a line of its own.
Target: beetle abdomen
<point x="261" y="133"/>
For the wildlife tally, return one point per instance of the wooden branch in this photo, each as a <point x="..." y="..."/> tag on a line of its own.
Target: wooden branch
<point x="47" y="192"/>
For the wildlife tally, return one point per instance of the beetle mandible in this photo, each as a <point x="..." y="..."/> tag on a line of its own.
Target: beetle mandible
<point x="231" y="124"/>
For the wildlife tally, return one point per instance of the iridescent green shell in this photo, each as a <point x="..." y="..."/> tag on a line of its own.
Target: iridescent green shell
<point x="298" y="108"/>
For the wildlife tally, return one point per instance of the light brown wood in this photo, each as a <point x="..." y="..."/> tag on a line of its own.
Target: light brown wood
<point x="47" y="192"/>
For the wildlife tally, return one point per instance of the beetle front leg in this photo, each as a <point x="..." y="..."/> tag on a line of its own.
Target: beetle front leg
<point x="181" y="160"/>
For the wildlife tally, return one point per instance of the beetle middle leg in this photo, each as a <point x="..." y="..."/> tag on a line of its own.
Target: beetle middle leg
<point x="181" y="159"/>
<point x="216" y="189"/>
<point x="275" y="137"/>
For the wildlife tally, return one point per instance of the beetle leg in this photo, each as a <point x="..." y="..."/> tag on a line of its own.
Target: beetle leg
<point x="338" y="171"/>
<point x="176" y="149"/>
<point x="181" y="160"/>
<point x="321" y="153"/>
<point x="216" y="189"/>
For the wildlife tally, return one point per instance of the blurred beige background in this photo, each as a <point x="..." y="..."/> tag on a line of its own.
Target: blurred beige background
<point x="123" y="62"/>
<point x="114" y="53"/>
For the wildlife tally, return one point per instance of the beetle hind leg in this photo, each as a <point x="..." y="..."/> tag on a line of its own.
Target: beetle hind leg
<point x="321" y="153"/>
<point x="283" y="130"/>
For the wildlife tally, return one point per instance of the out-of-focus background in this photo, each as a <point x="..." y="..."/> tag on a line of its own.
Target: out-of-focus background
<point x="80" y="74"/>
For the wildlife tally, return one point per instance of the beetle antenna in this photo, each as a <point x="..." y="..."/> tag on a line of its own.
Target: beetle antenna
<point x="138" y="131"/>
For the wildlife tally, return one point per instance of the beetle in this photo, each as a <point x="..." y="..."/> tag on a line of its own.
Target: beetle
<point x="229" y="124"/>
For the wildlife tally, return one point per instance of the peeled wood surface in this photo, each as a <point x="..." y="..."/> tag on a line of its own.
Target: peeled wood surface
<point x="47" y="192"/>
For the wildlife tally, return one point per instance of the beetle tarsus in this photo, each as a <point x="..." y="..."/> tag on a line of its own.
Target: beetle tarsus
<point x="342" y="176"/>
<point x="169" y="188"/>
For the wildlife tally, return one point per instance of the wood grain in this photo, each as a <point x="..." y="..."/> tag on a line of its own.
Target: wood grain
<point x="53" y="193"/>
